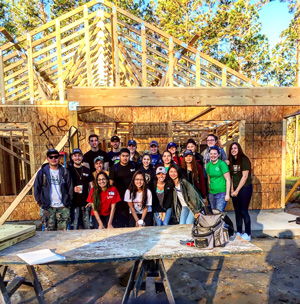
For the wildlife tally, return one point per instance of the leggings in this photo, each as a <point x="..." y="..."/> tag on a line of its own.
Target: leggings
<point x="241" y="204"/>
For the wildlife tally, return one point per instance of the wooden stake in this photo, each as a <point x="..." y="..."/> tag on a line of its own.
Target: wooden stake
<point x="198" y="70"/>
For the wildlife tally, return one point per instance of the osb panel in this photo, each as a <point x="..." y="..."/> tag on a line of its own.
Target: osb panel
<point x="274" y="200"/>
<point x="28" y="209"/>
<point x="256" y="201"/>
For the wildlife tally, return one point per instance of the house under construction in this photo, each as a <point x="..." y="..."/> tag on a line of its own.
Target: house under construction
<point x="105" y="71"/>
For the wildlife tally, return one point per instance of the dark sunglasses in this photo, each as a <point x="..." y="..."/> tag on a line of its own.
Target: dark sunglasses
<point x="53" y="156"/>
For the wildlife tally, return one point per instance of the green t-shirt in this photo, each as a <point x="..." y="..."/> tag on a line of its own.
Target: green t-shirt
<point x="216" y="175"/>
<point x="237" y="172"/>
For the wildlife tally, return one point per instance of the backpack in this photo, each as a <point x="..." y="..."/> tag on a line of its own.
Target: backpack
<point x="210" y="230"/>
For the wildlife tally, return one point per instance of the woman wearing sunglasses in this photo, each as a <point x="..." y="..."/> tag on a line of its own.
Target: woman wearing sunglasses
<point x="139" y="199"/>
<point x="103" y="198"/>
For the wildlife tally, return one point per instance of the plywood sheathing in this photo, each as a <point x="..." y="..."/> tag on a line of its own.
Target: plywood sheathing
<point x="27" y="210"/>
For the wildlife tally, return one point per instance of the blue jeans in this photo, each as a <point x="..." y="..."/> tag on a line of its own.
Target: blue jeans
<point x="166" y="220"/>
<point x="81" y="215"/>
<point x="186" y="216"/>
<point x="217" y="201"/>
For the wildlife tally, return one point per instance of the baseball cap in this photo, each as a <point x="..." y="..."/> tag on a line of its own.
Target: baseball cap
<point x="77" y="150"/>
<point x="153" y="142"/>
<point x="187" y="152"/>
<point x="171" y="144"/>
<point x="161" y="170"/>
<point x="131" y="142"/>
<point x="191" y="141"/>
<point x="214" y="148"/>
<point x="52" y="151"/>
<point x="115" y="138"/>
<point x="101" y="158"/>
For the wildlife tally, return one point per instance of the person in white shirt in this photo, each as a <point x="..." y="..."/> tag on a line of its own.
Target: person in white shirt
<point x="139" y="199"/>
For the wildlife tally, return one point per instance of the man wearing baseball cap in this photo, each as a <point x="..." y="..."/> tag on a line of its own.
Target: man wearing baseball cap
<point x="114" y="154"/>
<point x="53" y="191"/>
<point x="98" y="164"/>
<point x="134" y="155"/>
<point x="155" y="155"/>
<point x="82" y="179"/>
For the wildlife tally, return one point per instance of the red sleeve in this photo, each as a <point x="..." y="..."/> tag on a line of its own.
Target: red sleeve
<point x="116" y="197"/>
<point x="90" y="198"/>
<point x="201" y="180"/>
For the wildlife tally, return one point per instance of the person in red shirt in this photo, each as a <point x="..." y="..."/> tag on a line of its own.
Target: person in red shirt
<point x="103" y="198"/>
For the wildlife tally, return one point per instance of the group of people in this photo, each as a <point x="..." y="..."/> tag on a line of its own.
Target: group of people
<point x="122" y="188"/>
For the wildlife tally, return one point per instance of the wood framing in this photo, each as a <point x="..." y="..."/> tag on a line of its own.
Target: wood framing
<point x="180" y="97"/>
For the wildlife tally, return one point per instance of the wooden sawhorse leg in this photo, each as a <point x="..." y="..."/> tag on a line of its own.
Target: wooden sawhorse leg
<point x="9" y="288"/>
<point x="151" y="268"/>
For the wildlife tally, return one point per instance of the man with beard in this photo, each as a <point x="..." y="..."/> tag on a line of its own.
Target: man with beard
<point x="82" y="179"/>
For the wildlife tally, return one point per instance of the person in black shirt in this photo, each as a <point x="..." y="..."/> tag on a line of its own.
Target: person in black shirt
<point x="88" y="157"/>
<point x="120" y="176"/>
<point x="82" y="178"/>
<point x="147" y="169"/>
<point x="114" y="154"/>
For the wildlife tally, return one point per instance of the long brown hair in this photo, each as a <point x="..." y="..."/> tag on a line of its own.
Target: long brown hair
<point x="239" y="157"/>
<point x="133" y="189"/>
<point x="98" y="190"/>
<point x="195" y="174"/>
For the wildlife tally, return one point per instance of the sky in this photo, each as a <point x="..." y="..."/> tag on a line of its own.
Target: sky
<point x="275" y="18"/>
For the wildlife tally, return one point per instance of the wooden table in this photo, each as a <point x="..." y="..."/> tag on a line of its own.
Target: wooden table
<point x="148" y="246"/>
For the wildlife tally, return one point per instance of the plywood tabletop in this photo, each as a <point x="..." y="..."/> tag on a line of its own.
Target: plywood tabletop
<point x="87" y="246"/>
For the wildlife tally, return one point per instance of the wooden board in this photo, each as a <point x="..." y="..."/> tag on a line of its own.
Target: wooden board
<point x="88" y="246"/>
<point x="183" y="97"/>
<point x="12" y="234"/>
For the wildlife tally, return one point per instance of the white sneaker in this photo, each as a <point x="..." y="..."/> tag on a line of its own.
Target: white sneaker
<point x="238" y="234"/>
<point x="246" y="237"/>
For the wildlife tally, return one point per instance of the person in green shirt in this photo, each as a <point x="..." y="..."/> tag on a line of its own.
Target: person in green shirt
<point x="241" y="188"/>
<point x="218" y="180"/>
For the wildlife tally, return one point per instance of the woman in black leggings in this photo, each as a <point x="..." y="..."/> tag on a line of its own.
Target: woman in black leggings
<point x="241" y="188"/>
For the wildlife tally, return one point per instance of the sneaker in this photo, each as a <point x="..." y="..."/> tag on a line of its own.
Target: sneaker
<point x="238" y="234"/>
<point x="246" y="237"/>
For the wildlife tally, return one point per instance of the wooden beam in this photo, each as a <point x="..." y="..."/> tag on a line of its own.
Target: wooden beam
<point x="205" y="111"/>
<point x="60" y="79"/>
<point x="12" y="153"/>
<point x="2" y="84"/>
<point x="242" y="134"/>
<point x="30" y="68"/>
<point x="115" y="45"/>
<point x="29" y="185"/>
<point x="87" y="45"/>
<point x="167" y="97"/>
<point x="284" y="199"/>
<point x="171" y="63"/>
<point x="144" y="55"/>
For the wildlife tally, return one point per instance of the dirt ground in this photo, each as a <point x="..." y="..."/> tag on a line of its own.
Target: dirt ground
<point x="270" y="277"/>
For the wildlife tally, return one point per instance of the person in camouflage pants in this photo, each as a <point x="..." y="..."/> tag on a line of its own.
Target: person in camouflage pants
<point x="53" y="191"/>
